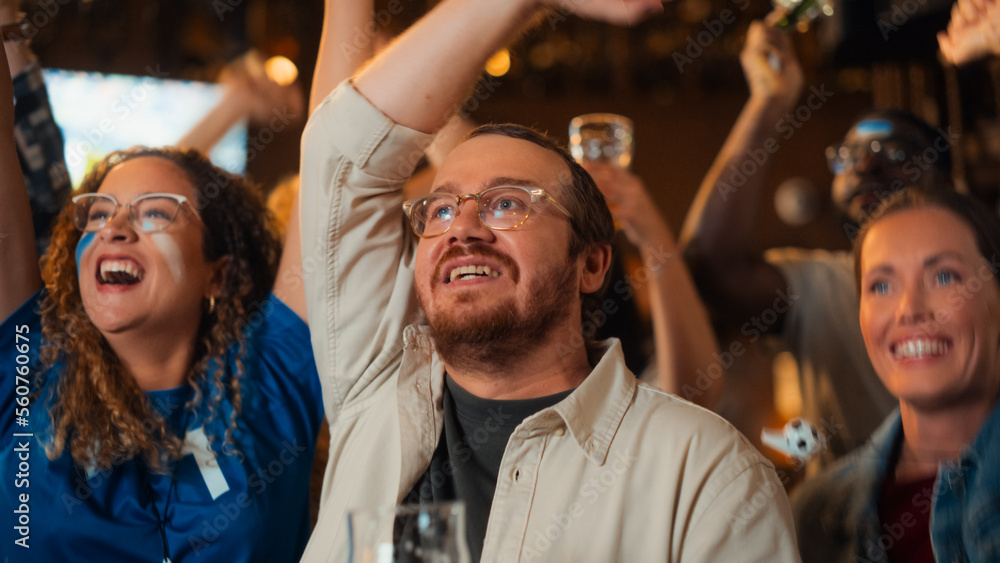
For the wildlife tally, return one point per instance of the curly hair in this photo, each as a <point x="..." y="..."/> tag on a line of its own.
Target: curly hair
<point x="97" y="409"/>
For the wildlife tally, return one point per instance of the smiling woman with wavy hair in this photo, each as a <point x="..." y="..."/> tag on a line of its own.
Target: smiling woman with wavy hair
<point x="98" y="411"/>
<point x="172" y="385"/>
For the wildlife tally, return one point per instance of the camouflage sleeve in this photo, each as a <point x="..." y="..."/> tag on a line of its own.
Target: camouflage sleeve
<point x="40" y="151"/>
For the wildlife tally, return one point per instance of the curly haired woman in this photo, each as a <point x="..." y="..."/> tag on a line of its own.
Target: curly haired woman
<point x="159" y="402"/>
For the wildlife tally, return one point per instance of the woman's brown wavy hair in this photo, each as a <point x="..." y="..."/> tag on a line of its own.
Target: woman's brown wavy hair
<point x="97" y="410"/>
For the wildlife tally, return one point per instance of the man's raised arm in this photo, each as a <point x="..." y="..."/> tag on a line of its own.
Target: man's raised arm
<point x="19" y="276"/>
<point x="734" y="282"/>
<point x="420" y="78"/>
<point x="361" y="145"/>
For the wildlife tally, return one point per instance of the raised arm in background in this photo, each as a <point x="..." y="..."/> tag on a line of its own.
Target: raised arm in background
<point x="19" y="275"/>
<point x="682" y="334"/>
<point x="421" y="76"/>
<point x="250" y="94"/>
<point x="39" y="141"/>
<point x="347" y="42"/>
<point x="972" y="33"/>
<point x="735" y="282"/>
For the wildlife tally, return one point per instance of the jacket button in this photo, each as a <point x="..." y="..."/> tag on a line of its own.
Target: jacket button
<point x="559" y="431"/>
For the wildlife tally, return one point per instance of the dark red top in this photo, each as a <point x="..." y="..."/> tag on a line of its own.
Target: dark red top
<point x="904" y="511"/>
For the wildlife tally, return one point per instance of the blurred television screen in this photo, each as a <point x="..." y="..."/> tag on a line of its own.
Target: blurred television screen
<point x="99" y="113"/>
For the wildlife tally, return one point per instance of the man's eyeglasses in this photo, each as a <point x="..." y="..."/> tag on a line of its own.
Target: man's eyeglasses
<point x="148" y="213"/>
<point x="501" y="208"/>
<point x="842" y="157"/>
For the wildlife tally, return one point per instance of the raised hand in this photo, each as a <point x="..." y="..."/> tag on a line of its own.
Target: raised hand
<point x="972" y="33"/>
<point x="619" y="12"/>
<point x="770" y="65"/>
<point x="250" y="87"/>
<point x="631" y="206"/>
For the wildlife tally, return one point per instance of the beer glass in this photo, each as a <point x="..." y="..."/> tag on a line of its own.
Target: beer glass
<point x="430" y="533"/>
<point x="603" y="137"/>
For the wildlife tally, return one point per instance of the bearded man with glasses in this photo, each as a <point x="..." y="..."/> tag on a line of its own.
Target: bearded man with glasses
<point x="451" y="349"/>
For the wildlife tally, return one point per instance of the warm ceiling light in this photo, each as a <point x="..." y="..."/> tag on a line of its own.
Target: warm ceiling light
<point x="499" y="63"/>
<point x="281" y="70"/>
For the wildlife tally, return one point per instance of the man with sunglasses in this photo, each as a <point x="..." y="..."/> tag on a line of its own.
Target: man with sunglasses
<point x="451" y="347"/>
<point x="805" y="297"/>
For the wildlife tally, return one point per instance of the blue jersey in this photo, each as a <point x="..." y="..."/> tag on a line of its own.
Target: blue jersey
<point x="252" y="505"/>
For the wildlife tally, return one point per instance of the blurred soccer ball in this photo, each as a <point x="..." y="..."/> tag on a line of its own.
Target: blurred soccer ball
<point x="798" y="439"/>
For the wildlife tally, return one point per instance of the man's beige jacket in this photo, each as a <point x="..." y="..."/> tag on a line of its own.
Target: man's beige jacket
<point x="617" y="471"/>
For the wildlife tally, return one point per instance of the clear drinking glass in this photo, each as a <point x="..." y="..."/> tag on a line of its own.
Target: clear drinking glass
<point x="431" y="533"/>
<point x="799" y="14"/>
<point x="603" y="137"/>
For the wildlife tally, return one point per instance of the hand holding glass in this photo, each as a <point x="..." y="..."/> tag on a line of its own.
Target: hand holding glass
<point x="601" y="137"/>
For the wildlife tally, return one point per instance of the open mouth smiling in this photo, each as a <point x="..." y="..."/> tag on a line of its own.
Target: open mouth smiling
<point x="471" y="272"/>
<point x="119" y="272"/>
<point x="474" y="264"/>
<point x="920" y="348"/>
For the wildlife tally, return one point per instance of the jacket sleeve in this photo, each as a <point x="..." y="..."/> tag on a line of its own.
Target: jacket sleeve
<point x="357" y="253"/>
<point x="745" y="516"/>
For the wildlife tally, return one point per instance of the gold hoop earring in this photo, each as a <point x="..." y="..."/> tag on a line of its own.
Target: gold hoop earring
<point x="211" y="305"/>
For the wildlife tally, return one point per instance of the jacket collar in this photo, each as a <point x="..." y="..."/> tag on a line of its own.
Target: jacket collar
<point x="986" y="445"/>
<point x="592" y="413"/>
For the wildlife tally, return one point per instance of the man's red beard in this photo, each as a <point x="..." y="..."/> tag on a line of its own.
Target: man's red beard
<point x="491" y="340"/>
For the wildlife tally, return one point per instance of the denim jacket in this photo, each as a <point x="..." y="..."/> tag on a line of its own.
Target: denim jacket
<point x="836" y="513"/>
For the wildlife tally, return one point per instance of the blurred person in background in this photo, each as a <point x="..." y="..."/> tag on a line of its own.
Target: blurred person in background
<point x="673" y="300"/>
<point x="810" y="293"/>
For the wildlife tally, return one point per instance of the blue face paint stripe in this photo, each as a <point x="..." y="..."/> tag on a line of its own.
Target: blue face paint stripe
<point x="879" y="127"/>
<point x="85" y="241"/>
